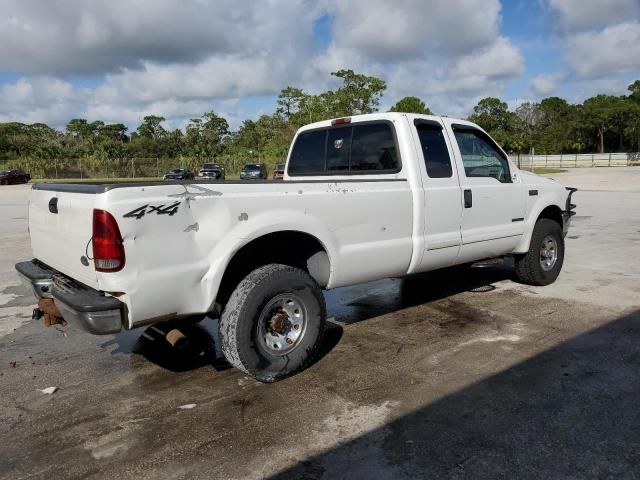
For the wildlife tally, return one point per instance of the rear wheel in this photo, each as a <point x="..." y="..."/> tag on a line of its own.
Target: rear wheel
<point x="273" y="322"/>
<point x="541" y="265"/>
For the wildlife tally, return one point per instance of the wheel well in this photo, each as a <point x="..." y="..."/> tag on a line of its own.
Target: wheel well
<point x="552" y="212"/>
<point x="296" y="249"/>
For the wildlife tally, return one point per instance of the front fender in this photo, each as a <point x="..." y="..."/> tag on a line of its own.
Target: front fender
<point x="548" y="199"/>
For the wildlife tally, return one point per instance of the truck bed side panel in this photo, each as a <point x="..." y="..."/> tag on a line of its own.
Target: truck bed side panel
<point x="179" y="238"/>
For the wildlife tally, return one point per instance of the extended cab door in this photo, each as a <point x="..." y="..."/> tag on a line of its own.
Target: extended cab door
<point x="442" y="195"/>
<point x="493" y="204"/>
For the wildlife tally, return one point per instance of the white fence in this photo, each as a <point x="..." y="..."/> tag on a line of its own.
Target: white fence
<point x="575" y="160"/>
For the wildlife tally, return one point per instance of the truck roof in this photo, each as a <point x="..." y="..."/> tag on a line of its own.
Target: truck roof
<point x="377" y="116"/>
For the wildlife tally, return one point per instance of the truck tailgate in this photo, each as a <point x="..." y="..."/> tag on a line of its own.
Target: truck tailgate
<point x="60" y="224"/>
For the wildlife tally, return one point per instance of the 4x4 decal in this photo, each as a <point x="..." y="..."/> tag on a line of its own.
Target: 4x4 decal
<point x="140" y="212"/>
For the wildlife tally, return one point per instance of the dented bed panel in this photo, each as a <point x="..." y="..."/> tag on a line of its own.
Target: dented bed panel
<point x="179" y="238"/>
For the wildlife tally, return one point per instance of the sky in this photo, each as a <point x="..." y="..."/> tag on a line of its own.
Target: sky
<point x="120" y="60"/>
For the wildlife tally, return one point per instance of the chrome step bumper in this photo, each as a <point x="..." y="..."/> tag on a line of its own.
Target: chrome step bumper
<point x="90" y="309"/>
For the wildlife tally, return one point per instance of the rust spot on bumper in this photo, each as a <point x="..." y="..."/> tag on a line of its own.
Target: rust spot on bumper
<point x="50" y="313"/>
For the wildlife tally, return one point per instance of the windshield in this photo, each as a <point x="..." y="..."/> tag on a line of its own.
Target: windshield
<point x="280" y="167"/>
<point x="176" y="170"/>
<point x="252" y="168"/>
<point x="4" y="172"/>
<point x="210" y="166"/>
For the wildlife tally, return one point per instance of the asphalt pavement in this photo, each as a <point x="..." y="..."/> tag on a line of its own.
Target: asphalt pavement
<point x="462" y="373"/>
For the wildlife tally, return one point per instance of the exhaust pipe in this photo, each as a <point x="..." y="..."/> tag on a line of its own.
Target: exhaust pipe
<point x="174" y="337"/>
<point x="177" y="339"/>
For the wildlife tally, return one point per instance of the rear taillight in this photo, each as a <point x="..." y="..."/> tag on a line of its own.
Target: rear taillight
<point x="108" y="250"/>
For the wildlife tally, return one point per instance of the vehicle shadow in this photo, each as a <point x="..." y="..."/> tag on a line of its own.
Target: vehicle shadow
<point x="345" y="306"/>
<point x="200" y="351"/>
<point x="362" y="302"/>
<point x="568" y="412"/>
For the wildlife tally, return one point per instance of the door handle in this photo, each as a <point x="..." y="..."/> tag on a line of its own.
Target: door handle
<point x="468" y="199"/>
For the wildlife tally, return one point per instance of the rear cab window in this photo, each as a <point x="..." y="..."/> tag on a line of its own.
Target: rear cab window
<point x="353" y="149"/>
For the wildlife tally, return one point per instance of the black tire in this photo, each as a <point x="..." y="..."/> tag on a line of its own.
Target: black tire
<point x="529" y="268"/>
<point x="242" y="344"/>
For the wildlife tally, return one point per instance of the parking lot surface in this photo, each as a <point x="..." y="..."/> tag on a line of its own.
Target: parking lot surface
<point x="455" y="374"/>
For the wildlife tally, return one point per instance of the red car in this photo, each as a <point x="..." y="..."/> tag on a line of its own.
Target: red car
<point x="8" y="177"/>
<point x="278" y="173"/>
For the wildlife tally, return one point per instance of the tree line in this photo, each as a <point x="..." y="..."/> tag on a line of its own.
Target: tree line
<point x="553" y="125"/>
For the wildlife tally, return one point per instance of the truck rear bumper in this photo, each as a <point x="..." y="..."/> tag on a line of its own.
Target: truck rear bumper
<point x="86" y="307"/>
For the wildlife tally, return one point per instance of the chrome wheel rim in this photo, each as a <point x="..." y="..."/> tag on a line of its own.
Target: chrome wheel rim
<point x="548" y="253"/>
<point x="282" y="324"/>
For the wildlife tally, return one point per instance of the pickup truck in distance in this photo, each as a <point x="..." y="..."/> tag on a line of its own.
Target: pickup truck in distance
<point x="363" y="198"/>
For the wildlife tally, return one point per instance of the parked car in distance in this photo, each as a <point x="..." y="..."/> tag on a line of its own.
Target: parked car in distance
<point x="278" y="173"/>
<point x="253" y="171"/>
<point x="10" y="177"/>
<point x="179" y="174"/>
<point x="212" y="170"/>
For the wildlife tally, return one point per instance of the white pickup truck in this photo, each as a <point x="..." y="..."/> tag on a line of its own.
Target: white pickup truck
<point x="363" y="198"/>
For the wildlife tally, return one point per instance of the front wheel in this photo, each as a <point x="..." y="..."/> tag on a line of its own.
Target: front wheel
<point x="541" y="265"/>
<point x="273" y="322"/>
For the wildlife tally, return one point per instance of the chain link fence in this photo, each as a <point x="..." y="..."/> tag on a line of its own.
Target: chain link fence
<point x="153" y="168"/>
<point x="576" y="160"/>
<point x="138" y="168"/>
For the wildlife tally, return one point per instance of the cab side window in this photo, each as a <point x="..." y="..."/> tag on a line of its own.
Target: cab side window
<point x="434" y="150"/>
<point x="481" y="158"/>
<point x="373" y="148"/>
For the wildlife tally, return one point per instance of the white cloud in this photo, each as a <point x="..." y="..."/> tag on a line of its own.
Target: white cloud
<point x="180" y="56"/>
<point x="216" y="77"/>
<point x="63" y="37"/>
<point x="588" y="14"/>
<point x="499" y="60"/>
<point x="40" y="99"/>
<point x="387" y="31"/>
<point x="612" y="50"/>
<point x="452" y="88"/>
<point x="179" y="59"/>
<point x="467" y="75"/>
<point x="545" y="84"/>
<point x="448" y="53"/>
<point x="581" y="88"/>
